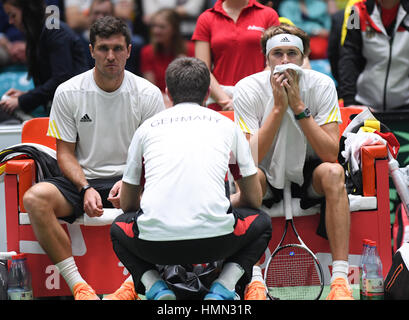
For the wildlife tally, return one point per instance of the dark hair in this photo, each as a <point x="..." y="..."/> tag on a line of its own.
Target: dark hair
<point x="286" y="28"/>
<point x="178" y="43"/>
<point x="33" y="19"/>
<point x="187" y="80"/>
<point x="108" y="26"/>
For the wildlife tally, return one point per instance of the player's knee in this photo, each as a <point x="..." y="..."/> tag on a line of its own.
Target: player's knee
<point x="333" y="177"/>
<point x="36" y="199"/>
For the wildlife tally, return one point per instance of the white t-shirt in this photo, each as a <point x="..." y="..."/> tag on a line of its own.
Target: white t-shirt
<point x="253" y="101"/>
<point x="183" y="153"/>
<point x="102" y="123"/>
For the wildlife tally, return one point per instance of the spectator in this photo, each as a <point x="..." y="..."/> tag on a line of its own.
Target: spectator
<point x="12" y="42"/>
<point x="166" y="45"/>
<point x="374" y="59"/>
<point x="53" y="55"/>
<point x="225" y="37"/>
<point x="188" y="10"/>
<point x="298" y="108"/>
<point x="77" y="12"/>
<point x="185" y="150"/>
<point x="313" y="17"/>
<point x="91" y="154"/>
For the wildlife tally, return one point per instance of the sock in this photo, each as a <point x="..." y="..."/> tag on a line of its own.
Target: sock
<point x="230" y="275"/>
<point x="149" y="278"/>
<point x="69" y="271"/>
<point x="257" y="275"/>
<point x="339" y="269"/>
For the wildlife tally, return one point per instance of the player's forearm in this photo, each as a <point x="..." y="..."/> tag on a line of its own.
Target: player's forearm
<point x="130" y="197"/>
<point x="323" y="141"/>
<point x="72" y="170"/>
<point x="69" y="164"/>
<point x="262" y="140"/>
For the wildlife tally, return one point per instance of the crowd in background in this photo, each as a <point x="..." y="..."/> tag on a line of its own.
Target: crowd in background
<point x="165" y="29"/>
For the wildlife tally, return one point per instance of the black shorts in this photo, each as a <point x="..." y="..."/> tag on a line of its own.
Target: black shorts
<point x="70" y="192"/>
<point x="307" y="200"/>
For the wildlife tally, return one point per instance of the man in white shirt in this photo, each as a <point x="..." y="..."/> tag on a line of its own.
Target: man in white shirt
<point x="180" y="158"/>
<point x="93" y="117"/>
<point x="290" y="116"/>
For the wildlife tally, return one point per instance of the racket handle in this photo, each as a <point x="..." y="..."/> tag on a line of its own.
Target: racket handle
<point x="287" y="200"/>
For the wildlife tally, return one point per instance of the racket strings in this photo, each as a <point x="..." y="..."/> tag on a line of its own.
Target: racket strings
<point x="293" y="267"/>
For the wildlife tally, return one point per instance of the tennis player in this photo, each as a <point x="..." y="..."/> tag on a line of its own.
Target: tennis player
<point x="290" y="116"/>
<point x="93" y="117"/>
<point x="180" y="158"/>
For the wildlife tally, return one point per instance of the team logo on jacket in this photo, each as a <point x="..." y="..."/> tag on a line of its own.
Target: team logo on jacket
<point x="253" y="27"/>
<point x="369" y="32"/>
<point x="86" y="118"/>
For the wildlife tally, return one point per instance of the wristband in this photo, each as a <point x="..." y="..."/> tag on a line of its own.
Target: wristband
<point x="83" y="189"/>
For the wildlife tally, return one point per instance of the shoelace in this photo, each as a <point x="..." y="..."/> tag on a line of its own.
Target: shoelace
<point x="253" y="290"/>
<point x="85" y="292"/>
<point x="127" y="291"/>
<point x="340" y="288"/>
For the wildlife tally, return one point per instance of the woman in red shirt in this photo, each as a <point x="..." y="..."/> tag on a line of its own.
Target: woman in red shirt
<point x="227" y="38"/>
<point x="166" y="44"/>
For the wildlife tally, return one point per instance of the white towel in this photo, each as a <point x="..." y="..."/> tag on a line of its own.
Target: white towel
<point x="287" y="153"/>
<point x="353" y="144"/>
<point x="282" y="67"/>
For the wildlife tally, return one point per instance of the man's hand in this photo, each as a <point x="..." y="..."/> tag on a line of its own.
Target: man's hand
<point x="9" y="105"/>
<point x="280" y="95"/>
<point x="92" y="203"/>
<point x="227" y="105"/>
<point x="291" y="85"/>
<point x="115" y="194"/>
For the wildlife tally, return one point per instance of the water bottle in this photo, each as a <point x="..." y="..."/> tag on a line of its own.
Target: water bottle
<point x="372" y="278"/>
<point x="19" y="279"/>
<point x="3" y="279"/>
<point x="4" y="256"/>
<point x="364" y="258"/>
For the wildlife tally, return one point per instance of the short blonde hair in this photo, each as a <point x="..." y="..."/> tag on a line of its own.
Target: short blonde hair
<point x="286" y="28"/>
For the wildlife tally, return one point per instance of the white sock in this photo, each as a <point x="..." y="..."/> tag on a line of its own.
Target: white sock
<point x="149" y="278"/>
<point x="230" y="275"/>
<point x="257" y="275"/>
<point x="339" y="269"/>
<point x="69" y="271"/>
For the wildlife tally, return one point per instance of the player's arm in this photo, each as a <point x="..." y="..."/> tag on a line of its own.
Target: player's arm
<point x="130" y="197"/>
<point x="72" y="170"/>
<point x="264" y="137"/>
<point x="250" y="194"/>
<point x="323" y="139"/>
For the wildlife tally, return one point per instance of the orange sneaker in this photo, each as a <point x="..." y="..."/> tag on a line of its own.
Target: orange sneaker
<point x="340" y="290"/>
<point x="256" y="290"/>
<point x="82" y="291"/>
<point x="125" y="292"/>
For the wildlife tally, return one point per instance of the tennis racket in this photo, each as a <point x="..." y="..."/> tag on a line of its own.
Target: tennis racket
<point x="293" y="272"/>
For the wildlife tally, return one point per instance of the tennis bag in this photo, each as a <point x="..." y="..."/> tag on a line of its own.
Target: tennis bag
<point x="353" y="180"/>
<point x="190" y="282"/>
<point x="397" y="280"/>
<point x="400" y="230"/>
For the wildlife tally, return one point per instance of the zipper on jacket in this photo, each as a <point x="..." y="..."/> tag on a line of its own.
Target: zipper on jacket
<point x="387" y="72"/>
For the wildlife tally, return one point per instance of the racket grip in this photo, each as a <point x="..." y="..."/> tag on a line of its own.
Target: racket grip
<point x="287" y="200"/>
